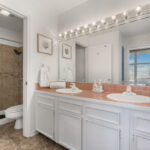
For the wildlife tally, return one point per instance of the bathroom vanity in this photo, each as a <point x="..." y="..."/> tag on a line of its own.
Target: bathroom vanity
<point x="112" y="52"/>
<point x="91" y="121"/>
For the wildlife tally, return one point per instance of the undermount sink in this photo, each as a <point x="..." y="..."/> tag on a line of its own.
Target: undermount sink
<point x="129" y="98"/>
<point x="69" y="91"/>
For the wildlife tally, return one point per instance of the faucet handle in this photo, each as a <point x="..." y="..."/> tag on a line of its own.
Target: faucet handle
<point x="73" y="86"/>
<point x="129" y="89"/>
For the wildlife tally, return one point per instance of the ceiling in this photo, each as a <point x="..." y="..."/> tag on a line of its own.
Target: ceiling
<point x="65" y="5"/>
<point x="55" y="7"/>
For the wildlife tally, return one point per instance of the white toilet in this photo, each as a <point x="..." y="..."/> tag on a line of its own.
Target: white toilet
<point x="15" y="113"/>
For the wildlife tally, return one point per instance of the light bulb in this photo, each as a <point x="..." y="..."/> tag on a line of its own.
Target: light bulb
<point x="60" y="35"/>
<point x="90" y="29"/>
<point x="138" y="8"/>
<point x="71" y="31"/>
<point x="65" y="33"/>
<point x="103" y="21"/>
<point x="4" y="12"/>
<point x="113" y="17"/>
<point x="94" y="23"/>
<point x="85" y="26"/>
<point x="125" y="13"/>
<point x="78" y="28"/>
<point x="98" y="26"/>
<point x="83" y="31"/>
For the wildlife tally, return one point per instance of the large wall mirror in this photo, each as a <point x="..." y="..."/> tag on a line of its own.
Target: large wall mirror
<point x="117" y="55"/>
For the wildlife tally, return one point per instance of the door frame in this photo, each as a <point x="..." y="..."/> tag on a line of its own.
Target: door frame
<point x="26" y="23"/>
<point x="86" y="59"/>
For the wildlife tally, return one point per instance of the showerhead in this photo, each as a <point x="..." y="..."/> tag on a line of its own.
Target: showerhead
<point x="17" y="52"/>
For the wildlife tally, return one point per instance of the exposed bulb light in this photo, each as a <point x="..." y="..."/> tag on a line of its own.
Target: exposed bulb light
<point x="113" y="17"/>
<point x="103" y="21"/>
<point x="65" y="33"/>
<point x="85" y="26"/>
<point x="83" y="31"/>
<point x="76" y="33"/>
<point x="138" y="8"/>
<point x="4" y="12"/>
<point x="94" y="23"/>
<point x="90" y="29"/>
<point x="71" y="31"/>
<point x="60" y="35"/>
<point x="125" y="13"/>
<point x="98" y="26"/>
<point x="78" y="28"/>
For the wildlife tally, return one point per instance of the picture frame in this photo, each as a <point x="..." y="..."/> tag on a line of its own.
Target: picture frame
<point x="44" y="44"/>
<point x="66" y="51"/>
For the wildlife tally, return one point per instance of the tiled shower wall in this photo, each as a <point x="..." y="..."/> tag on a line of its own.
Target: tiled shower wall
<point x="10" y="77"/>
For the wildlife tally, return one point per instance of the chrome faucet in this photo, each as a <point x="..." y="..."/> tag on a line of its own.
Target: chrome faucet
<point x="129" y="91"/>
<point x="73" y="86"/>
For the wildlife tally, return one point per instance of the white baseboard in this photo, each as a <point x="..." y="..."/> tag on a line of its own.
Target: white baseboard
<point x="33" y="133"/>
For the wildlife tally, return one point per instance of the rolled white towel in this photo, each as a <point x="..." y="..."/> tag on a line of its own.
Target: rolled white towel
<point x="57" y="85"/>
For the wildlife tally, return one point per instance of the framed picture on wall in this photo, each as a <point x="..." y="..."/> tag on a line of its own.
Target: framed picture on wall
<point x="66" y="51"/>
<point x="44" y="44"/>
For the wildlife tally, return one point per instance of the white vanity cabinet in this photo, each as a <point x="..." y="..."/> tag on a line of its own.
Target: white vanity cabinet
<point x="101" y="128"/>
<point x="140" y="131"/>
<point x="81" y="124"/>
<point x="45" y="115"/>
<point x="69" y="124"/>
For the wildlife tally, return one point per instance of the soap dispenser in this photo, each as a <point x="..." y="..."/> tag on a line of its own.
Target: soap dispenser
<point x="94" y="86"/>
<point x="100" y="86"/>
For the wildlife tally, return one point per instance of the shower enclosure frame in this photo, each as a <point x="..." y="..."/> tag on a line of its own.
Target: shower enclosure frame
<point x="26" y="24"/>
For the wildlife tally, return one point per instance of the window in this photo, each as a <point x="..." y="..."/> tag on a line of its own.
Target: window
<point x="139" y="66"/>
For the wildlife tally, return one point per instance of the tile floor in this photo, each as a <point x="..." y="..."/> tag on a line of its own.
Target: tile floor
<point x="11" y="139"/>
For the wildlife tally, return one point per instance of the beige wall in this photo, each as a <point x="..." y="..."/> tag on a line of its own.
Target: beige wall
<point x="10" y="77"/>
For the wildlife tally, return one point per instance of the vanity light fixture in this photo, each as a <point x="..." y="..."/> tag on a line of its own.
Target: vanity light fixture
<point x="60" y="35"/>
<point x="85" y="26"/>
<point x="4" y="12"/>
<point x="71" y="31"/>
<point x="90" y="30"/>
<point x="78" y="28"/>
<point x="125" y="13"/>
<point x="103" y="21"/>
<point x="96" y="25"/>
<point x="65" y="33"/>
<point x="138" y="8"/>
<point x="83" y="31"/>
<point x="76" y="33"/>
<point x="113" y="17"/>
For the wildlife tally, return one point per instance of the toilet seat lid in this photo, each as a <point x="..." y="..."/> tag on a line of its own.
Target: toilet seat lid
<point x="15" y="108"/>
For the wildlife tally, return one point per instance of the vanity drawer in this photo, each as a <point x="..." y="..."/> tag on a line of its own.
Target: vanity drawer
<point x="107" y="115"/>
<point x="45" y="99"/>
<point x="141" y="122"/>
<point x="70" y="106"/>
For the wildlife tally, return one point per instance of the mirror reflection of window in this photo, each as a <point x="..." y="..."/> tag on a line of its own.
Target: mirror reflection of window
<point x="139" y="65"/>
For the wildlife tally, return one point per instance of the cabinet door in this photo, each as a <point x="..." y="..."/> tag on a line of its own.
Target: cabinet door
<point x="69" y="132"/>
<point x="45" y="119"/>
<point x="140" y="131"/>
<point x="100" y="137"/>
<point x="141" y="142"/>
